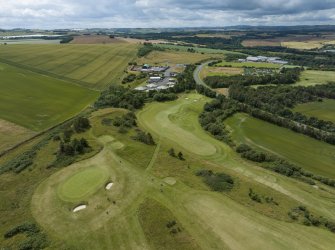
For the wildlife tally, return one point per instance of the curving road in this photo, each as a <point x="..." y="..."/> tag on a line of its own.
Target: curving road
<point x="196" y="73"/>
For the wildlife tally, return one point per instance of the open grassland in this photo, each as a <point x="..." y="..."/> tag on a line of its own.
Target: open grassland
<point x="37" y="102"/>
<point x="175" y="57"/>
<point x="324" y="110"/>
<point x="92" y="66"/>
<point x="11" y="134"/>
<point x="308" y="153"/>
<point x="314" y="77"/>
<point x="152" y="189"/>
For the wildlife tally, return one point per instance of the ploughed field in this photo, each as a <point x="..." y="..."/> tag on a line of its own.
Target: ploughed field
<point x="92" y="66"/>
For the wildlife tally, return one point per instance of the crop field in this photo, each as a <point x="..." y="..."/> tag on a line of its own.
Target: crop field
<point x="306" y="45"/>
<point x="259" y="42"/>
<point x="152" y="190"/>
<point x="324" y="110"/>
<point x="197" y="49"/>
<point x="314" y="77"/>
<point x="174" y="57"/>
<point x="220" y="71"/>
<point x="311" y="154"/>
<point x="92" y="66"/>
<point x="249" y="64"/>
<point x="36" y="101"/>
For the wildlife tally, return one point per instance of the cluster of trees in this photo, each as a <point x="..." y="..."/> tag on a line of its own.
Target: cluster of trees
<point x="120" y="97"/>
<point x="163" y="97"/>
<point x="143" y="137"/>
<point x="123" y="122"/>
<point x="309" y="219"/>
<point x="258" y="198"/>
<point x="216" y="181"/>
<point x="35" y="238"/>
<point x="129" y="78"/>
<point x="147" y="48"/>
<point x="81" y="124"/>
<point x="73" y="147"/>
<point x="213" y="115"/>
<point x="285" y="76"/>
<point x="172" y="153"/>
<point x="66" y="39"/>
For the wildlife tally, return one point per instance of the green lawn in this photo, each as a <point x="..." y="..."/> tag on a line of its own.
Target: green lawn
<point x="37" y="102"/>
<point x="93" y="66"/>
<point x="308" y="153"/>
<point x="314" y="77"/>
<point x="324" y="110"/>
<point x="82" y="184"/>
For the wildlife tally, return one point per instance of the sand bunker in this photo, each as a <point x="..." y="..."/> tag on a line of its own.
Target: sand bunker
<point x="77" y="209"/>
<point x="109" y="186"/>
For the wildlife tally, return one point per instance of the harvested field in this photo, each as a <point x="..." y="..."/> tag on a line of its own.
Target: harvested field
<point x="258" y="42"/>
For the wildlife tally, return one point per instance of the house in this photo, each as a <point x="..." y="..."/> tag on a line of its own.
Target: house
<point x="155" y="79"/>
<point x="141" y="88"/>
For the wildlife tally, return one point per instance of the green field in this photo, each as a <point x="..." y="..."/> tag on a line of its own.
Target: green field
<point x="36" y="101"/>
<point x="314" y="77"/>
<point x="83" y="184"/>
<point x="93" y="66"/>
<point x="308" y="153"/>
<point x="324" y="110"/>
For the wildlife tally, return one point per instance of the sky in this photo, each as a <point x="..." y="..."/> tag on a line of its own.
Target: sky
<point x="50" y="14"/>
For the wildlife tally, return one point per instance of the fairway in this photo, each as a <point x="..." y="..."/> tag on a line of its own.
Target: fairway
<point x="324" y="110"/>
<point x="38" y="102"/>
<point x="310" y="154"/>
<point x="82" y="184"/>
<point x="314" y="77"/>
<point x="93" y="66"/>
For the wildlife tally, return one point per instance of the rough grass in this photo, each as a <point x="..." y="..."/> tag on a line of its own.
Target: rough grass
<point x="37" y="102"/>
<point x="199" y="50"/>
<point x="11" y="134"/>
<point x="315" y="77"/>
<point x="308" y="153"/>
<point x="154" y="219"/>
<point x="324" y="110"/>
<point x="93" y="66"/>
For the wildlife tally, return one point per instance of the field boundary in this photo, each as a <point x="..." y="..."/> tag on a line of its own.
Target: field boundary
<point x="79" y="83"/>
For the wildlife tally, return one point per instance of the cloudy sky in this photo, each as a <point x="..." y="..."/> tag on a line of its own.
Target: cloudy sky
<point x="162" y="13"/>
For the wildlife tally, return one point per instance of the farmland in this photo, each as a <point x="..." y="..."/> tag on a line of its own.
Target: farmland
<point x="324" y="110"/>
<point x="249" y="64"/>
<point x="92" y="66"/>
<point x="37" y="102"/>
<point x="308" y="153"/>
<point x="174" y="57"/>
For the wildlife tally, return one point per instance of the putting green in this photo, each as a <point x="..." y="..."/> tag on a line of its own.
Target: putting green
<point x="82" y="184"/>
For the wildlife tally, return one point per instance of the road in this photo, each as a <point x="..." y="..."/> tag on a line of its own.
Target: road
<point x="196" y="74"/>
